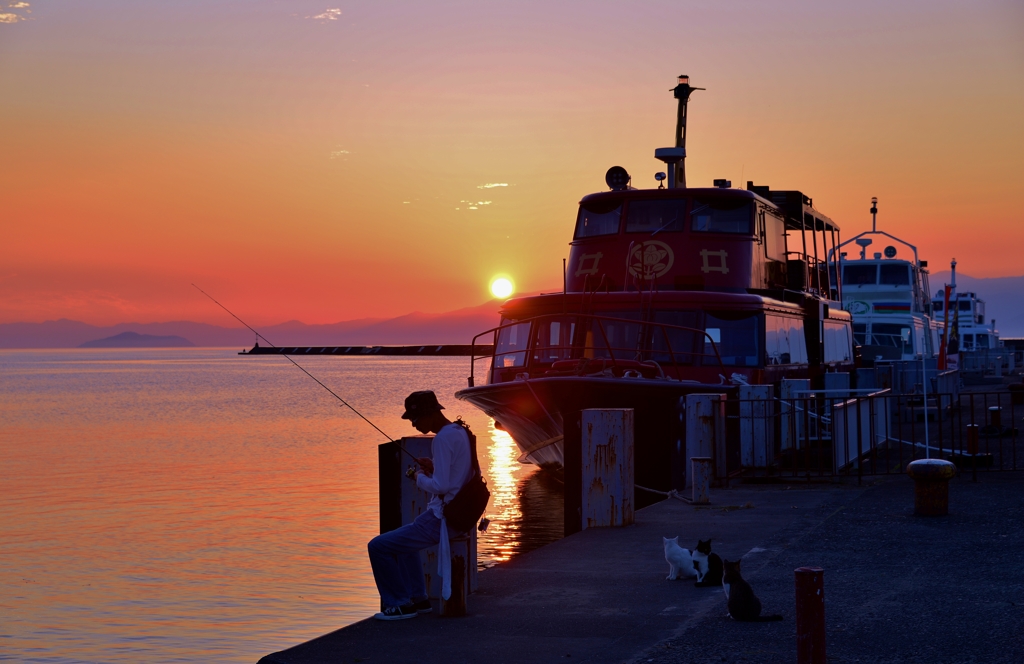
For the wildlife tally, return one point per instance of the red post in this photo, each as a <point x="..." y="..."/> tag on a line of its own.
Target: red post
<point x="810" y="615"/>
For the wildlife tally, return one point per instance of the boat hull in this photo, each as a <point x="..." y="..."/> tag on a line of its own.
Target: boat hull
<point x="532" y="411"/>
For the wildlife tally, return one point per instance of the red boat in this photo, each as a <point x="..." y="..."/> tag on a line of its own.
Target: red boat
<point x="668" y="291"/>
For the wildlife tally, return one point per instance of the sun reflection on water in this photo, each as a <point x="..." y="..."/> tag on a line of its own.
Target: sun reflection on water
<point x="504" y="473"/>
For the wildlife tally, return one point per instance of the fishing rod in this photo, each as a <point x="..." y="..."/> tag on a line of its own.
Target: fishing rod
<point x="267" y="341"/>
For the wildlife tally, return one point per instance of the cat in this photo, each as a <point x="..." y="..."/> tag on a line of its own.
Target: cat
<point x="709" y="565"/>
<point x="743" y="603"/>
<point x="679" y="559"/>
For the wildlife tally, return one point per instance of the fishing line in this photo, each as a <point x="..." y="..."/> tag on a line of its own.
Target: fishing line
<point x="260" y="336"/>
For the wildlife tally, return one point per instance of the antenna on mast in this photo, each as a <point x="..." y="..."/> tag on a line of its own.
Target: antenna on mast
<point x="874" y="211"/>
<point x="675" y="158"/>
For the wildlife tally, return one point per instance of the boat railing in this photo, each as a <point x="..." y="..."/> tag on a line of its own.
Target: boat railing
<point x="585" y="357"/>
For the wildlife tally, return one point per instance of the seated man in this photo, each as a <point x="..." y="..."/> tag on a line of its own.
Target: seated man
<point x="394" y="556"/>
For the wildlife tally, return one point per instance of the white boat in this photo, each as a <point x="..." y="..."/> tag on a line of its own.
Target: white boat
<point x="968" y="310"/>
<point x="888" y="295"/>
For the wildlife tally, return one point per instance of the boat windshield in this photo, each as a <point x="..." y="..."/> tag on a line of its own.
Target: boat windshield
<point x="617" y="339"/>
<point x="722" y="216"/>
<point x="510" y="349"/>
<point x="859" y="275"/>
<point x="554" y="339"/>
<point x="656" y="216"/>
<point x="894" y="275"/>
<point x="598" y="218"/>
<point x="673" y="346"/>
<point x="892" y="335"/>
<point x="736" y="334"/>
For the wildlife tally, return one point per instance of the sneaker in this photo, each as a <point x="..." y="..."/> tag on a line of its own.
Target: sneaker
<point x="422" y="606"/>
<point x="397" y="613"/>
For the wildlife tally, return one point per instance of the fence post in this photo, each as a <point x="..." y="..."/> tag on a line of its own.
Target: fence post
<point x="607" y="456"/>
<point x="701" y="480"/>
<point x="790" y="418"/>
<point x="810" y="615"/>
<point x="757" y="432"/>
<point x="572" y="463"/>
<point x="705" y="435"/>
<point x="972" y="449"/>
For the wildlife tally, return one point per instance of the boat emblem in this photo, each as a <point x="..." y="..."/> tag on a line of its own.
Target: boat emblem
<point x="580" y="270"/>
<point x="650" y="259"/>
<point x="721" y="267"/>
<point x="858" y="307"/>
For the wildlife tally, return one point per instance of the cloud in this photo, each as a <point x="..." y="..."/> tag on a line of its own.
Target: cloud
<point x="492" y="185"/>
<point x="9" y="17"/>
<point x="474" y="205"/>
<point x="328" y="15"/>
<point x="337" y="154"/>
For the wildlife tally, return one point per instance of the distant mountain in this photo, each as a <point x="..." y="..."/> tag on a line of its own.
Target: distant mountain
<point x="454" y="327"/>
<point x="136" y="340"/>
<point x="1004" y="298"/>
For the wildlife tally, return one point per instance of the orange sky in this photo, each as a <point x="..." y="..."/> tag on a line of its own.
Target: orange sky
<point x="317" y="161"/>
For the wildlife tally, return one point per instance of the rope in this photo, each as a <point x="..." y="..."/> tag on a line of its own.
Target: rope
<point x="669" y="494"/>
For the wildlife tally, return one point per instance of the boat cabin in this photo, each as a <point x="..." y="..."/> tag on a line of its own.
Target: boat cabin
<point x="690" y="284"/>
<point x="716" y="239"/>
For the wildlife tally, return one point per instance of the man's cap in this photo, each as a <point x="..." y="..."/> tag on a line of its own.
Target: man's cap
<point x="420" y="404"/>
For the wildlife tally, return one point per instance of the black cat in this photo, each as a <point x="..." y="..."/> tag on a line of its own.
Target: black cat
<point x="709" y="565"/>
<point x="743" y="603"/>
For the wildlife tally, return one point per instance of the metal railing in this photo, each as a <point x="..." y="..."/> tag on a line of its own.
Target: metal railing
<point x="820" y="435"/>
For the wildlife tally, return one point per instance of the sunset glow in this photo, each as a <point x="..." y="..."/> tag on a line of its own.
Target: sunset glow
<point x="326" y="162"/>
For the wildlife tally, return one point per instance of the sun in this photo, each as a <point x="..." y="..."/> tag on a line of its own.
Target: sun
<point x="502" y="287"/>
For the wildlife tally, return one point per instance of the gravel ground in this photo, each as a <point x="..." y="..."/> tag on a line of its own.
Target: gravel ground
<point x="898" y="588"/>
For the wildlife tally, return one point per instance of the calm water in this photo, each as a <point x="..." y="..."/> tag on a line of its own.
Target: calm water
<point x="194" y="505"/>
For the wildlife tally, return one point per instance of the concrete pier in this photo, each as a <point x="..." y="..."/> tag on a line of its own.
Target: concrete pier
<point x="601" y="594"/>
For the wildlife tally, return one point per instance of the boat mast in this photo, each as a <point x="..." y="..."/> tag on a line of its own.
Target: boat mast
<point x="675" y="158"/>
<point x="682" y="92"/>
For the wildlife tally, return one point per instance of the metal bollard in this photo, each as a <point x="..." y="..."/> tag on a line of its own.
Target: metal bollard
<point x="810" y="615"/>
<point x="701" y="474"/>
<point x="995" y="418"/>
<point x="607" y="467"/>
<point x="931" y="486"/>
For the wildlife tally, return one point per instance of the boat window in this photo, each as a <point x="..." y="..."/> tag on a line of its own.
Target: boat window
<point x="510" y="351"/>
<point x="968" y="341"/>
<point x="860" y="333"/>
<point x="656" y="216"/>
<point x="981" y="341"/>
<point x="859" y="275"/>
<point x="670" y="345"/>
<point x="837" y="342"/>
<point x="891" y="335"/>
<point x="736" y="334"/>
<point x="618" y="339"/>
<point x="964" y="305"/>
<point x="937" y="305"/>
<point x="554" y="339"/>
<point x="784" y="340"/>
<point x="598" y="218"/>
<point x="894" y="275"/>
<point x="721" y="216"/>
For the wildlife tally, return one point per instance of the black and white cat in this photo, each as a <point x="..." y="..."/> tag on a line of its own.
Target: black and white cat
<point x="679" y="560"/>
<point x="709" y="565"/>
<point x="743" y="603"/>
